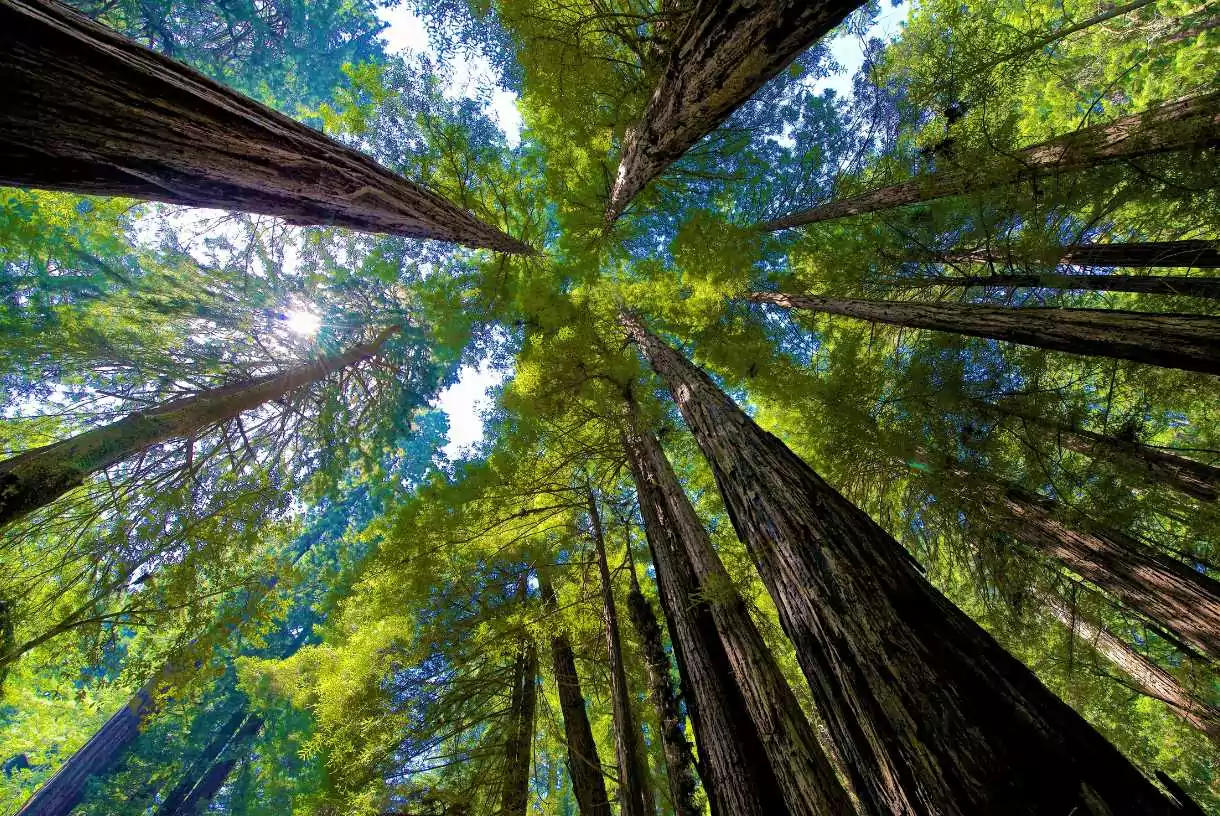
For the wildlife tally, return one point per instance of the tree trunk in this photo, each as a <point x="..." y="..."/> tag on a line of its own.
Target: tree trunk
<point x="196" y="801"/>
<point x="635" y="795"/>
<point x="1131" y="254"/>
<point x="1042" y="42"/>
<point x="1149" y="678"/>
<point x="1183" y="124"/>
<point x="736" y="775"/>
<point x="519" y="747"/>
<point x="1187" y="341"/>
<point x="91" y="112"/>
<point x="930" y="714"/>
<point x="726" y="51"/>
<point x="192" y="774"/>
<point x="39" y="476"/>
<point x="584" y="764"/>
<point x="1140" y="284"/>
<point x="805" y="776"/>
<point x="1195" y="479"/>
<point x="679" y="770"/>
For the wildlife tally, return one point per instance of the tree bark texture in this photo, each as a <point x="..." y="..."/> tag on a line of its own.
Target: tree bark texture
<point x="519" y="746"/>
<point x="635" y="794"/>
<point x="1140" y="284"/>
<point x="1132" y="254"/>
<point x="1183" y="124"/>
<point x="1148" y="677"/>
<point x="736" y="775"/>
<point x="1195" y="479"/>
<point x="806" y="778"/>
<point x="1187" y="341"/>
<point x="584" y="764"/>
<point x="37" y="477"/>
<point x="929" y="713"/>
<point x="89" y="111"/>
<point x="726" y="51"/>
<point x="206" y="788"/>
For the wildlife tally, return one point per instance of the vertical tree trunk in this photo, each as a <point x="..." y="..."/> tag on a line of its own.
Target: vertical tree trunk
<point x="584" y="764"/>
<point x="1149" y="678"/>
<point x="39" y="476"/>
<point x="199" y="767"/>
<point x="929" y="713"/>
<point x="679" y="769"/>
<point x="724" y="53"/>
<point x="91" y="112"/>
<point x="635" y="795"/>
<point x="1183" y="124"/>
<point x="736" y="775"/>
<point x="196" y="801"/>
<point x="519" y="746"/>
<point x="806" y="778"/>
<point x="1186" y="341"/>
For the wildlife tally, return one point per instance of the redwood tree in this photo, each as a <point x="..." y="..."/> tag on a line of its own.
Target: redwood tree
<point x="929" y="713"/>
<point x="89" y="111"/>
<point x="1198" y="254"/>
<point x="519" y="740"/>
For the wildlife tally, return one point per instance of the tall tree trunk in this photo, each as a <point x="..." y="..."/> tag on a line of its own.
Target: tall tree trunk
<point x="679" y="769"/>
<point x="805" y="776"/>
<point x="1140" y="284"/>
<point x="584" y="764"/>
<point x="1186" y="341"/>
<point x="207" y="786"/>
<point x="1135" y="254"/>
<point x="199" y="767"/>
<point x="92" y="112"/>
<point x="635" y="795"/>
<point x="733" y="766"/>
<point x="519" y="746"/>
<point x="1149" y="678"/>
<point x="1042" y="42"/>
<point x="726" y="51"/>
<point x="1195" y="479"/>
<point x="929" y="713"/>
<point x="39" y="476"/>
<point x="1183" y="124"/>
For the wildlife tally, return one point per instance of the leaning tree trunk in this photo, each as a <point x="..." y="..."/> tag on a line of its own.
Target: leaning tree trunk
<point x="806" y="778"/>
<point x="584" y="764"/>
<point x="1186" y="341"/>
<point x="1140" y="284"/>
<point x="679" y="770"/>
<point x="1195" y="479"/>
<point x="1183" y="124"/>
<point x="39" y="476"/>
<point x="1149" y="678"/>
<point x="724" y="53"/>
<point x="196" y="798"/>
<point x="1135" y="254"/>
<point x="518" y="747"/>
<point x="929" y="713"/>
<point x="89" y="111"/>
<point x="199" y="766"/>
<point x="736" y="775"/>
<point x="635" y="795"/>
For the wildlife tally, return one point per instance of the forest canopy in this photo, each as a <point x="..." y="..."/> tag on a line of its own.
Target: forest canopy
<point x="556" y="407"/>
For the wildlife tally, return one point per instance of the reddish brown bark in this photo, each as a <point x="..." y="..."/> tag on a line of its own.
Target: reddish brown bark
<point x="38" y="477"/>
<point x="1139" y="284"/>
<point x="519" y="744"/>
<point x="929" y="713"/>
<point x="1135" y="254"/>
<point x="724" y="53"/>
<point x="1183" y="124"/>
<point x="89" y="111"/>
<point x="1186" y="341"/>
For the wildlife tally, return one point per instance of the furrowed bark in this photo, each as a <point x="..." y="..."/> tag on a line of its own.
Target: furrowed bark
<point x="207" y="786"/>
<point x="518" y="748"/>
<point x="679" y="770"/>
<point x="724" y="53"/>
<point x="89" y="111"/>
<point x="805" y="776"/>
<point x="584" y="764"/>
<point x="929" y="713"/>
<point x="635" y="795"/>
<point x="37" y="477"/>
<point x="1183" y="124"/>
<point x="736" y="776"/>
<point x="1148" y="677"/>
<point x="1187" y="341"/>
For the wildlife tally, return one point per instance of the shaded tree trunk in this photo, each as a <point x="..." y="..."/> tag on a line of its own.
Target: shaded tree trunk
<point x="1195" y="479"/>
<point x="92" y="112"/>
<point x="1186" y="341"/>
<point x="930" y="714"/>
<point x="191" y="777"/>
<point x="1149" y="678"/>
<point x="1140" y="284"/>
<point x="206" y="788"/>
<point x="679" y="770"/>
<point x="736" y="775"/>
<point x="1135" y="254"/>
<point x="1183" y="124"/>
<point x="725" y="51"/>
<point x="584" y="764"/>
<point x="39" y="476"/>
<point x="805" y="776"/>
<point x="519" y="746"/>
<point x="635" y="795"/>
<point x="1042" y="42"/>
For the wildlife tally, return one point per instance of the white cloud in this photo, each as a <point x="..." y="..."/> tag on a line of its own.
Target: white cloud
<point x="465" y="402"/>
<point x="406" y="31"/>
